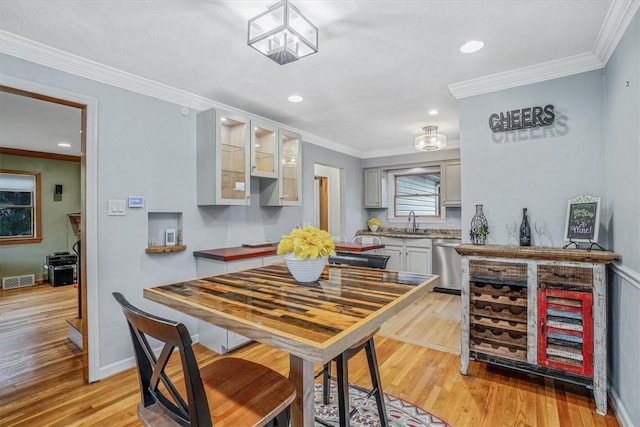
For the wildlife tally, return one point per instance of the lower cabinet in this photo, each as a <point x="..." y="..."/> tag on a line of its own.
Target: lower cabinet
<point x="214" y="337"/>
<point x="543" y="311"/>
<point x="413" y="255"/>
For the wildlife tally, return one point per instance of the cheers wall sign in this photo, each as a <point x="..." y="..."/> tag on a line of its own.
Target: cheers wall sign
<point x="528" y="117"/>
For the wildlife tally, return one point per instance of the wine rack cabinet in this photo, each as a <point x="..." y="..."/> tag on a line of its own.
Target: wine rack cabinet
<point x="537" y="310"/>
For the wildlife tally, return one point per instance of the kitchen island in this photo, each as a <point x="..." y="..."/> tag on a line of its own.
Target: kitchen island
<point x="537" y="310"/>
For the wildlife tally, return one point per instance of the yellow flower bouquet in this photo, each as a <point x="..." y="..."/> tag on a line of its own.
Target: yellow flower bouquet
<point x="307" y="243"/>
<point x="374" y="222"/>
<point x="306" y="252"/>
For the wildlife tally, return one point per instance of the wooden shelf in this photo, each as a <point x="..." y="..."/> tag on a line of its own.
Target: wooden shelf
<point x="165" y="249"/>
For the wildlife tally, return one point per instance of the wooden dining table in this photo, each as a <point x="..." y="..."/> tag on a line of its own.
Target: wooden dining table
<point x="313" y="322"/>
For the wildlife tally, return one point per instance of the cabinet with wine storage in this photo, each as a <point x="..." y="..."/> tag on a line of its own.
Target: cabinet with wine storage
<point x="537" y="310"/>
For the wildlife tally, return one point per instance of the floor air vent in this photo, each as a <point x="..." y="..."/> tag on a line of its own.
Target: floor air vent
<point x="18" y="281"/>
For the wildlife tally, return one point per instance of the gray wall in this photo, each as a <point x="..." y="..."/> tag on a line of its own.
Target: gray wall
<point x="147" y="148"/>
<point x="539" y="168"/>
<point x="623" y="196"/>
<point x="353" y="215"/>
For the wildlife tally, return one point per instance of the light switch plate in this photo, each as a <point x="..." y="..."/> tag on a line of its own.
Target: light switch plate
<point x="116" y="207"/>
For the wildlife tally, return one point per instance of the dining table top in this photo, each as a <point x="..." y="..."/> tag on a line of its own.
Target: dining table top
<point x="313" y="321"/>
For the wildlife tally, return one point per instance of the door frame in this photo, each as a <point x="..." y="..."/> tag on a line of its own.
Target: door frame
<point x="89" y="225"/>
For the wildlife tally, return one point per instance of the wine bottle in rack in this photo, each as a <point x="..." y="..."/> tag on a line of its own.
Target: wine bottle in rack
<point x="525" y="229"/>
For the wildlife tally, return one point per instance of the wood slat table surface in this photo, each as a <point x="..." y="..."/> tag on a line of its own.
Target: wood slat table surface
<point x="312" y="322"/>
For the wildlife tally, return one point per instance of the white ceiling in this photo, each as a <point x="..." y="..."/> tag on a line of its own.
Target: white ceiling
<point x="381" y="65"/>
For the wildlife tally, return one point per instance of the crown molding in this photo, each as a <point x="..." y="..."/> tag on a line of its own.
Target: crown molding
<point x="453" y="144"/>
<point x="550" y="70"/>
<point x="618" y="17"/>
<point x="23" y="48"/>
<point x="29" y="50"/>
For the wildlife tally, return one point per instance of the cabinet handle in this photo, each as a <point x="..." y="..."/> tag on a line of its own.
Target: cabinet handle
<point x="541" y="326"/>
<point x="496" y="270"/>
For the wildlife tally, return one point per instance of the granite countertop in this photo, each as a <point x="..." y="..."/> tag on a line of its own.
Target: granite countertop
<point x="421" y="233"/>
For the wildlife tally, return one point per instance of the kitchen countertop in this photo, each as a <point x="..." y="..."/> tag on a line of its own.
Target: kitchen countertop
<point x="244" y="252"/>
<point x="422" y="233"/>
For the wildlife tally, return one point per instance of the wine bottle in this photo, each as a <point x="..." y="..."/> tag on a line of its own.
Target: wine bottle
<point x="525" y="230"/>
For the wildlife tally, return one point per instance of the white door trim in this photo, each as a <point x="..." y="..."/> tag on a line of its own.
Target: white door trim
<point x="91" y="204"/>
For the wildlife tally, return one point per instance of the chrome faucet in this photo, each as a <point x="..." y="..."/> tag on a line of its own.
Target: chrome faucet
<point x="413" y="228"/>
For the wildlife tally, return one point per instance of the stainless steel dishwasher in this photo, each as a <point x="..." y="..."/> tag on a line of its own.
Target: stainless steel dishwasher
<point x="446" y="263"/>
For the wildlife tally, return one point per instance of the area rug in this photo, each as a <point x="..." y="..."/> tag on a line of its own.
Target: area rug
<point x="400" y="413"/>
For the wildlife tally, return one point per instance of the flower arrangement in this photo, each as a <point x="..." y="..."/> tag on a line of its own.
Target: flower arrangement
<point x="374" y="222"/>
<point x="307" y="243"/>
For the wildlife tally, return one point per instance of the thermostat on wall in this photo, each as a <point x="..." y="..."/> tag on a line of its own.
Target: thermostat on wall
<point x="136" y="202"/>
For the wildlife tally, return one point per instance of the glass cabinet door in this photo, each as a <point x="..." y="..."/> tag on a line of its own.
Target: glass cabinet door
<point x="264" y="149"/>
<point x="233" y="156"/>
<point x="290" y="168"/>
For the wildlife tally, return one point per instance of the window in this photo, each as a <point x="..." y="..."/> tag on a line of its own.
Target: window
<point x="19" y="207"/>
<point x="417" y="190"/>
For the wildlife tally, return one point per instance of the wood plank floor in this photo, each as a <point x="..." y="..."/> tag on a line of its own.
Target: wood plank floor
<point x="41" y="374"/>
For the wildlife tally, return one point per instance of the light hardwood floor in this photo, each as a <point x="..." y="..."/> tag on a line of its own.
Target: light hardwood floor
<point x="41" y="374"/>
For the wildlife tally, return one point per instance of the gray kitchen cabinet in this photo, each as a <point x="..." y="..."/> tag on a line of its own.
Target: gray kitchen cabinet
<point x="286" y="190"/>
<point x="375" y="188"/>
<point x="223" y="158"/>
<point x="452" y="195"/>
<point x="413" y="255"/>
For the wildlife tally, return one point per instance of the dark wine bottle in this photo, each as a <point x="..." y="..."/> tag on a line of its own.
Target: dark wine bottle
<point x="525" y="230"/>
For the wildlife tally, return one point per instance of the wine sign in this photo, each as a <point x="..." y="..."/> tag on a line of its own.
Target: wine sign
<point x="583" y="219"/>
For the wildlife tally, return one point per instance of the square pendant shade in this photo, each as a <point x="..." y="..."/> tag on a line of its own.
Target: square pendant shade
<point x="283" y="34"/>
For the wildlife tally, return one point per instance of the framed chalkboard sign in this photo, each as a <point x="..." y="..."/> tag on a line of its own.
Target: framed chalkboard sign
<point x="583" y="219"/>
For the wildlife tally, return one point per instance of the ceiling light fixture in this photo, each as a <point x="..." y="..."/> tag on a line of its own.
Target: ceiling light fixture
<point x="431" y="140"/>
<point x="434" y="112"/>
<point x="64" y="144"/>
<point x="283" y="34"/>
<point x="471" y="46"/>
<point x="295" y="98"/>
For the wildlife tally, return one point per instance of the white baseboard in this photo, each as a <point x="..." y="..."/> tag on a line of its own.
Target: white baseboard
<point x="620" y="412"/>
<point x="128" y="363"/>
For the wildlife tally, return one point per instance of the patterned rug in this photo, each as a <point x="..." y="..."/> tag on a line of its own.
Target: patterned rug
<point x="400" y="413"/>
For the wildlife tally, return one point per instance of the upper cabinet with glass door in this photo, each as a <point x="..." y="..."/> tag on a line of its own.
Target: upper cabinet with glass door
<point x="287" y="189"/>
<point x="264" y="149"/>
<point x="223" y="176"/>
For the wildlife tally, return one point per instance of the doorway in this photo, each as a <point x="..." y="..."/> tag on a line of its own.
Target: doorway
<point x="327" y="199"/>
<point x="87" y="270"/>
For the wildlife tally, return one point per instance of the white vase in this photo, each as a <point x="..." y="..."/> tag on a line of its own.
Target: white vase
<point x="305" y="270"/>
<point x="374" y="228"/>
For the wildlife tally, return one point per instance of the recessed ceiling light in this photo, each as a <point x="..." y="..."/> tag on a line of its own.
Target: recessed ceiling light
<point x="64" y="144"/>
<point x="295" y="98"/>
<point x="434" y="112"/>
<point x="471" y="46"/>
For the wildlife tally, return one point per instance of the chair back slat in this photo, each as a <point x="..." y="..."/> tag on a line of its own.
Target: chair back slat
<point x="360" y="259"/>
<point x="192" y="411"/>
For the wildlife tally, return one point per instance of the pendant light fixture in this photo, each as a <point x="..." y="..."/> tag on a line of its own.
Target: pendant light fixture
<point x="283" y="34"/>
<point x="431" y="140"/>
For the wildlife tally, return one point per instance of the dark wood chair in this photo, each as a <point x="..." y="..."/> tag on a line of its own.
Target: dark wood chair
<point x="342" y="366"/>
<point x="228" y="392"/>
